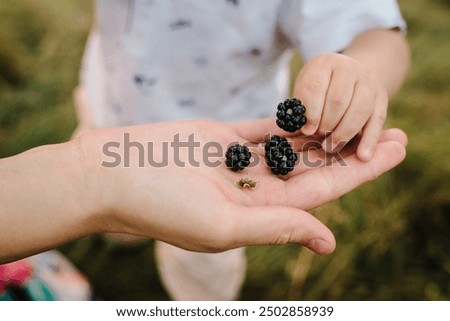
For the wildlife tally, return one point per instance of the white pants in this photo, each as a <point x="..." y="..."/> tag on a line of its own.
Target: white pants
<point x="200" y="276"/>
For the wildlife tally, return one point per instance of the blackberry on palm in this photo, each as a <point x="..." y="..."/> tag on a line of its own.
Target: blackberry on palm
<point x="237" y="157"/>
<point x="280" y="156"/>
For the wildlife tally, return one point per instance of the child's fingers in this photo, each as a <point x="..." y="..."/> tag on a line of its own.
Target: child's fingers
<point x="256" y="130"/>
<point x="373" y="128"/>
<point x="318" y="186"/>
<point x="337" y="100"/>
<point x="356" y="116"/>
<point x="311" y="88"/>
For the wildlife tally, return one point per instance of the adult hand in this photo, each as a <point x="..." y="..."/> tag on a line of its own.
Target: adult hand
<point x="53" y="194"/>
<point x="199" y="207"/>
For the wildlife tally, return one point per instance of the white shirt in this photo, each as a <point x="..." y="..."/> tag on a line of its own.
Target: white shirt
<point x="159" y="60"/>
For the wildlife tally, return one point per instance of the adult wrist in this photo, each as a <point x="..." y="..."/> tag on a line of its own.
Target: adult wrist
<point x="42" y="196"/>
<point x="103" y="185"/>
<point x="73" y="185"/>
<point x="94" y="190"/>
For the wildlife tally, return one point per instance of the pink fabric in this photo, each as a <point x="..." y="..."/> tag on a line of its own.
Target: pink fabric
<point x="15" y="273"/>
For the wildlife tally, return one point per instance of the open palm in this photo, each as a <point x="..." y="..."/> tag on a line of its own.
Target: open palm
<point x="198" y="206"/>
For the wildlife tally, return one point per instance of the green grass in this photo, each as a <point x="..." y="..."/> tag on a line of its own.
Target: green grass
<point x="392" y="234"/>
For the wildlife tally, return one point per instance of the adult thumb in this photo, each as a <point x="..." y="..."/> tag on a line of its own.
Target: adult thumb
<point x="262" y="225"/>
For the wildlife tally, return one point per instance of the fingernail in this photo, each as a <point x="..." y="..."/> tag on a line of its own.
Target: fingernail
<point x="309" y="129"/>
<point x="320" y="246"/>
<point x="366" y="153"/>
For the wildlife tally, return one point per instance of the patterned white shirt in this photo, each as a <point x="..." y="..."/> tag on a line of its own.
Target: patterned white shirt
<point x="159" y="60"/>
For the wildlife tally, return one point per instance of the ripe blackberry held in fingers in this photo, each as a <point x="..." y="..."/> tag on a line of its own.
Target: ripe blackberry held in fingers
<point x="291" y="115"/>
<point x="279" y="155"/>
<point x="237" y="157"/>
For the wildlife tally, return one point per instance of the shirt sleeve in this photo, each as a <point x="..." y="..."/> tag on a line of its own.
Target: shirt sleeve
<point x="321" y="26"/>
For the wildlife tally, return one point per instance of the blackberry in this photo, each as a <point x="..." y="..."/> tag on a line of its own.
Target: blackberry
<point x="291" y="115"/>
<point x="237" y="157"/>
<point x="279" y="155"/>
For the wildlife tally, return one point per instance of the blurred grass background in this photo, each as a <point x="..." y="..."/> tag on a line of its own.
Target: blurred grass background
<point x="392" y="234"/>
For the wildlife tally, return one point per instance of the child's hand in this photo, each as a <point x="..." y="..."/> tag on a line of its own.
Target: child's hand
<point x="341" y="96"/>
<point x="83" y="111"/>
